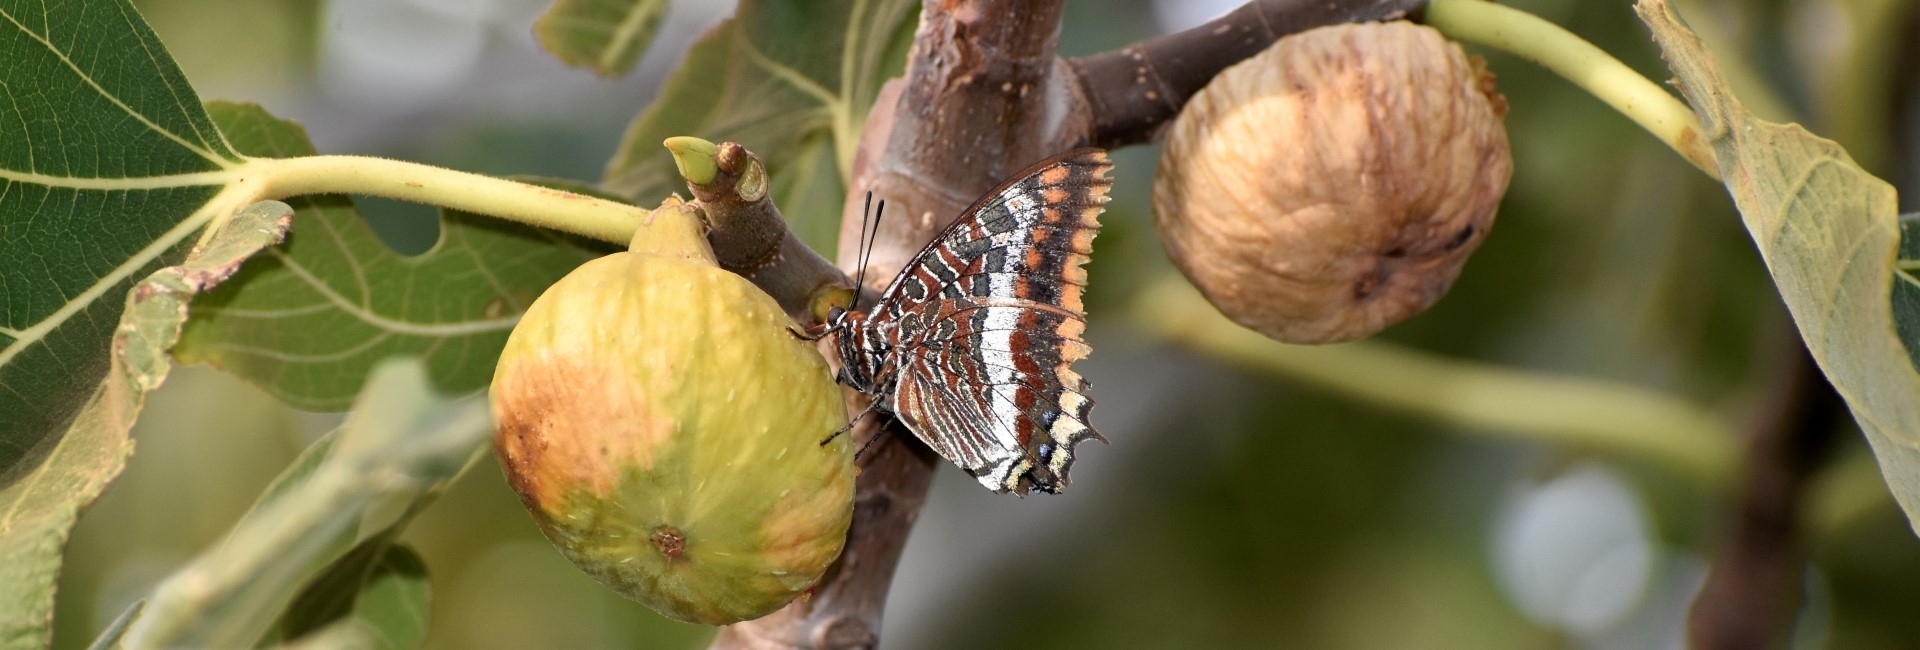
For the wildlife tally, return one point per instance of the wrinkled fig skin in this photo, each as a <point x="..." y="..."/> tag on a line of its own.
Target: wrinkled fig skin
<point x="663" y="428"/>
<point x="1335" y="183"/>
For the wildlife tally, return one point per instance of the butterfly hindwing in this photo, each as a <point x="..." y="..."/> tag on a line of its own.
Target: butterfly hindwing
<point x="987" y="321"/>
<point x="1004" y="368"/>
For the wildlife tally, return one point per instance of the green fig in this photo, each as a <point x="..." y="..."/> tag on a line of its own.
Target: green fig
<point x="663" y="427"/>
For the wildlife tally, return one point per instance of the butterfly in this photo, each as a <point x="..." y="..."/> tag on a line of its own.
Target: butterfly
<point x="972" y="345"/>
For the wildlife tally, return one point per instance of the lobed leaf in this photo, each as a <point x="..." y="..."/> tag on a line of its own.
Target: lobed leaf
<point x="792" y="80"/>
<point x="40" y="503"/>
<point x="311" y="319"/>
<point x="107" y="167"/>
<point x="1829" y="235"/>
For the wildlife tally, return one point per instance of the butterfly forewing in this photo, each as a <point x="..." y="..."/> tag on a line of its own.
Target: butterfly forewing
<point x="986" y="322"/>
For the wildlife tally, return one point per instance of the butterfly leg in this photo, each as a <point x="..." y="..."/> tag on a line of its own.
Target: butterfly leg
<point x="877" y="437"/>
<point x="856" y="420"/>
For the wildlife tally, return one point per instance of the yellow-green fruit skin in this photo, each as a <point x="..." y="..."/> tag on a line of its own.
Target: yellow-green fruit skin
<point x="663" y="427"/>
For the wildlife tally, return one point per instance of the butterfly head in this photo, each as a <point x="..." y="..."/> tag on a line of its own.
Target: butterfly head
<point x="860" y="354"/>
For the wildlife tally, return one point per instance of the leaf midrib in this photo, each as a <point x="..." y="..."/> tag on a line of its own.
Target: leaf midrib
<point x="129" y="183"/>
<point x="623" y="36"/>
<point x="25" y="338"/>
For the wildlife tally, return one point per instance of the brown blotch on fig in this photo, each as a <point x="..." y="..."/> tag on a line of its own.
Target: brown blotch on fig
<point x="543" y="401"/>
<point x="1335" y="183"/>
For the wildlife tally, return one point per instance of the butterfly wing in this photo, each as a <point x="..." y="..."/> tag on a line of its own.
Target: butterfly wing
<point x="989" y="320"/>
<point x="1037" y="226"/>
<point x="993" y="378"/>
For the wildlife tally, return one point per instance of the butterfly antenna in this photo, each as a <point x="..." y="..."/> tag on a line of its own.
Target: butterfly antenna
<point x="878" y="211"/>
<point x="860" y="251"/>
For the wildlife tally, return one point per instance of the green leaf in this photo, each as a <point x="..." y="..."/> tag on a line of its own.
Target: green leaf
<point x="1906" y="286"/>
<point x="106" y="171"/>
<point x="607" y="36"/>
<point x="790" y="79"/>
<point x="375" y="596"/>
<point x="1828" y="233"/>
<point x="313" y="317"/>
<point x="295" y="473"/>
<point x="379" y="591"/>
<point x="41" y="500"/>
<point x="398" y="449"/>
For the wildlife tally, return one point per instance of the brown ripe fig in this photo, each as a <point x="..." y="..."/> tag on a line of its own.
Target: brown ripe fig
<point x="663" y="427"/>
<point x="1335" y="183"/>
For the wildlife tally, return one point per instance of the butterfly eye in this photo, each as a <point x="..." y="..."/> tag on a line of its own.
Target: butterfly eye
<point x="835" y="315"/>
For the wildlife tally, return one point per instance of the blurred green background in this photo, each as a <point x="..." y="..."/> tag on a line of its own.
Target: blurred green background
<point x="1235" y="508"/>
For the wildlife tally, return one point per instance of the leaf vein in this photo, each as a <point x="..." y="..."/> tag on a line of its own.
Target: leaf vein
<point x="370" y="317"/>
<point x="623" y="36"/>
<point x="39" y="330"/>
<point x="296" y="357"/>
<point x="95" y="85"/>
<point x="791" y="76"/>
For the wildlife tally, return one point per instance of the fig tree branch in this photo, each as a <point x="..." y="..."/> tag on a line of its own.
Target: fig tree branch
<point x="966" y="115"/>
<point x="748" y="235"/>
<point x="1754" y="585"/>
<point x="985" y="94"/>
<point x="1132" y="91"/>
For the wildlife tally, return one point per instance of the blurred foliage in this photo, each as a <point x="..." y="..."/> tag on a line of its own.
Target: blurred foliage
<point x="1254" y="511"/>
<point x="606" y="36"/>
<point x="790" y="80"/>
<point x="321" y="537"/>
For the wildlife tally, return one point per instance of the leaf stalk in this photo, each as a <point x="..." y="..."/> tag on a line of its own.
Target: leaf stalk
<point x="1587" y="66"/>
<point x="586" y="216"/>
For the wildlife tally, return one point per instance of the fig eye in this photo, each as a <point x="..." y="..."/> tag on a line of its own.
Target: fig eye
<point x="1461" y="239"/>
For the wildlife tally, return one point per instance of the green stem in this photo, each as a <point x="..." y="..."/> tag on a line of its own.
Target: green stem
<point x="1479" y="398"/>
<point x="1527" y="36"/>
<point x="278" y="178"/>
